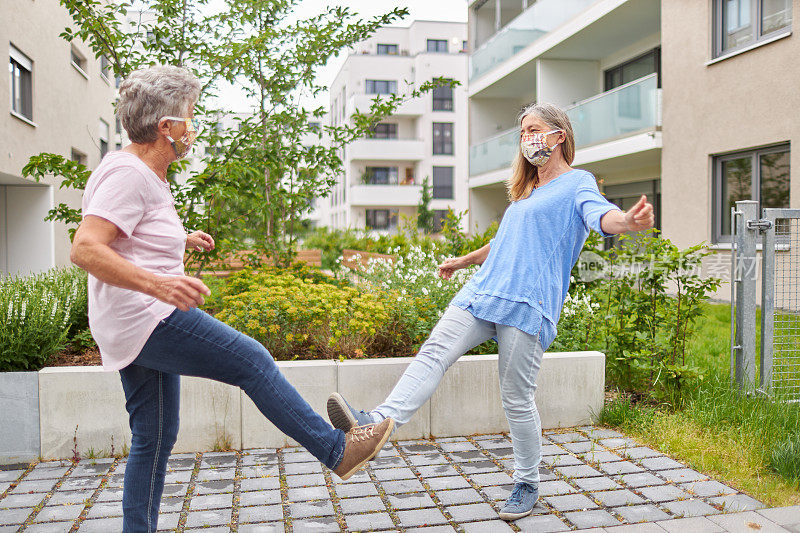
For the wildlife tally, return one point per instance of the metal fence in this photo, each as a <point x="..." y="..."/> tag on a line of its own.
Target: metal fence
<point x="778" y="233"/>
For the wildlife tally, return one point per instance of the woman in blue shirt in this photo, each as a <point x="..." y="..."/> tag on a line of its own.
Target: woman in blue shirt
<point x="517" y="294"/>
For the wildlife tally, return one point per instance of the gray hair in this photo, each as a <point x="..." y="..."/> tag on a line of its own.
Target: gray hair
<point x="149" y="94"/>
<point x="556" y="118"/>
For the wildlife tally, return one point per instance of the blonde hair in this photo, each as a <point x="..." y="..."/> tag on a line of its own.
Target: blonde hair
<point x="524" y="175"/>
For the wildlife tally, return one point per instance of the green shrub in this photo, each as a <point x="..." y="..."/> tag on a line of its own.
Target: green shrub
<point x="785" y="459"/>
<point x="623" y="413"/>
<point x="40" y="312"/>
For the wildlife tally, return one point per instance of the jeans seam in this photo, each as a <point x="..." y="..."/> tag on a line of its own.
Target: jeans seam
<point x="277" y="393"/>
<point x="158" y="450"/>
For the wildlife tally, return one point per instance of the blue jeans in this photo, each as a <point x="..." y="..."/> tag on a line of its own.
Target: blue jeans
<point x="192" y="343"/>
<point x="519" y="360"/>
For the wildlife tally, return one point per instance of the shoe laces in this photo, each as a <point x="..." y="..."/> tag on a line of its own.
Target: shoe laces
<point x="519" y="492"/>
<point x="360" y="433"/>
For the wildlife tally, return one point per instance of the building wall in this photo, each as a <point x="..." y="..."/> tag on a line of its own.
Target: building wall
<point x="67" y="108"/>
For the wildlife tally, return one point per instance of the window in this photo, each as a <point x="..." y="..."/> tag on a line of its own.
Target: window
<point x="464" y="46"/>
<point x="760" y="175"/>
<point x="443" y="98"/>
<point x="634" y="69"/>
<point x="740" y="23"/>
<point x="442" y="138"/>
<point x="437" y="45"/>
<point x="439" y="216"/>
<point x="381" y="86"/>
<point x="384" y="131"/>
<point x="387" y="50"/>
<point x="77" y="60"/>
<point x="105" y="67"/>
<point x="380" y="176"/>
<point x="443" y="182"/>
<point x="103" y="137"/>
<point x="78" y="157"/>
<point x="20" y="69"/>
<point x="381" y="219"/>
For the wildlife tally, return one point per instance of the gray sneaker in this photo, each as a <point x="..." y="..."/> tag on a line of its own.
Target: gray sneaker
<point x="343" y="416"/>
<point x="521" y="501"/>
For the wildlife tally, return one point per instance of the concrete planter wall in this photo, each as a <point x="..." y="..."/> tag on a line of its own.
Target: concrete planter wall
<point x="51" y="404"/>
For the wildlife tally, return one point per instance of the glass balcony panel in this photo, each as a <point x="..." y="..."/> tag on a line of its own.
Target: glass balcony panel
<point x="541" y="18"/>
<point x="494" y="153"/>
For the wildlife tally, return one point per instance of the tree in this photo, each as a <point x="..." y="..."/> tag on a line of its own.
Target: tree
<point x="261" y="177"/>
<point x="424" y="211"/>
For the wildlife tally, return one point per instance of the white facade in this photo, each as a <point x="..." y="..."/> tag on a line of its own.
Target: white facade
<point x="58" y="99"/>
<point x="383" y="176"/>
<point x="599" y="59"/>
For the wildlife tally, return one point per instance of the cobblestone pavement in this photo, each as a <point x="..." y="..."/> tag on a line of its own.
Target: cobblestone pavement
<point x="590" y="478"/>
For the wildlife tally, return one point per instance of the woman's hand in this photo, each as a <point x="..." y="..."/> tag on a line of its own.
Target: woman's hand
<point x="183" y="292"/>
<point x="449" y="266"/>
<point x="640" y="216"/>
<point x="200" y="241"/>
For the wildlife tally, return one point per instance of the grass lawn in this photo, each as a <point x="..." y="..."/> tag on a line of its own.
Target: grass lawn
<point x="746" y="442"/>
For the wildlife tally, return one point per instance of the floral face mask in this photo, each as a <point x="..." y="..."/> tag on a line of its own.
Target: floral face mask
<point x="534" y="147"/>
<point x="183" y="145"/>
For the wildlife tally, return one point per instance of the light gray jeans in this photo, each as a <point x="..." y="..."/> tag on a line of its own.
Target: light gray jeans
<point x="520" y="357"/>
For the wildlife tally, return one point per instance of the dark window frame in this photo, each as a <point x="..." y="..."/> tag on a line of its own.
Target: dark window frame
<point x="377" y="86"/>
<point x="19" y="70"/>
<point x="370" y="215"/>
<point x="757" y="35"/>
<point x="442" y="191"/>
<point x="608" y="74"/>
<point x="386" y="175"/>
<point x="388" y="49"/>
<point x="437" y="46"/>
<point x="443" y="98"/>
<point x="755" y="183"/>
<point x="384" y="130"/>
<point x="441" y="146"/>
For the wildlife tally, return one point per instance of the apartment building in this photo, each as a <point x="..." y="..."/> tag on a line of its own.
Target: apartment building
<point x="687" y="101"/>
<point x="59" y="99"/>
<point x="425" y="138"/>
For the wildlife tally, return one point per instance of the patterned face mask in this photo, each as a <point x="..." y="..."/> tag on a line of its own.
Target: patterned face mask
<point x="534" y="147"/>
<point x="183" y="145"/>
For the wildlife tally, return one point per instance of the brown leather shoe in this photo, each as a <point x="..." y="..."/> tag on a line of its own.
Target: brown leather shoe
<point x="362" y="443"/>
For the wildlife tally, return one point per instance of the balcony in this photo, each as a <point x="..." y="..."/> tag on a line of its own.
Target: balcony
<point x="386" y="150"/>
<point x="362" y="102"/>
<point x="384" y="195"/>
<point x="527" y="27"/>
<point x="623" y="112"/>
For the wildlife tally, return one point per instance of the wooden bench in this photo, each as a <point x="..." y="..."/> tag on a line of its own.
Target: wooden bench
<point x="237" y="261"/>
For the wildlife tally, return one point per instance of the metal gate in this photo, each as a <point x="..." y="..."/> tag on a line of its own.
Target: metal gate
<point x="778" y="233"/>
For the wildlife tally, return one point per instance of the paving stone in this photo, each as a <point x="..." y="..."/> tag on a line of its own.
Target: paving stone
<point x="461" y="457"/>
<point x="411" y="501"/>
<point x="782" y="515"/>
<point x="419" y="448"/>
<point x="169" y="521"/>
<point x="567" y="437"/>
<point x="40" y="485"/>
<point x="689" y="508"/>
<point x="664" y="493"/>
<point x="362" y="476"/>
<point x="4" y="486"/>
<point x="577" y="471"/>
<point x="387" y="462"/>
<point x="356" y="490"/>
<point x="661" y="463"/>
<point x="695" y="524"/>
<point x="260" y="457"/>
<point x="105" y="510"/>
<point x="618" y="442"/>
<point x="211" y="501"/>
<point x="21" y="500"/>
<point x="602" y="433"/>
<point x="80" y="483"/>
<point x="298" y="456"/>
<point x="175" y="490"/>
<point x="479" y="467"/>
<point x="570" y="502"/>
<point x="260" y="497"/>
<point x="641" y="513"/>
<point x="614" y="498"/>
<point x="46" y="473"/>
<point x="173" y="504"/>
<point x="707" y="488"/>
<point x="303" y="468"/>
<point x="212" y="474"/>
<point x="421" y="517"/>
<point x="404" y="485"/>
<point x="553" y="449"/>
<point x="308" y="509"/>
<point x="681" y="475"/>
<point x="542" y="524"/>
<point x="302" y="494"/>
<point x="433" y="529"/>
<point x="10" y="475"/>
<point x="561" y="460"/>
<point x="459" y="496"/>
<point x="631" y="528"/>
<point x="217" y="517"/>
<point x="391" y="474"/>
<point x="275" y="527"/>
<point x="49" y="527"/>
<point x="497" y="442"/>
<point x="301" y="480"/>
<point x="361" y="505"/>
<point x="545" y="474"/>
<point x="551" y="488"/>
<point x="642" y="479"/>
<point x="640" y="452"/>
<point x="101" y="525"/>
<point x="462" y="446"/>
<point x="737" y="502"/>
<point x="580" y="446"/>
<point x="317" y="525"/>
<point x="596" y="483"/>
<point x="186" y="463"/>
<point x="594" y="518"/>
<point x="92" y="469"/>
<point x="501" y="453"/>
<point x="472" y="512"/>
<point x="264" y="470"/>
<point x="601" y="456"/>
<point x="498" y="492"/>
<point x="260" y="513"/>
<point x="496" y="478"/>
<point x="429" y="459"/>
<point x="106" y="495"/>
<point x="620" y="467"/>
<point x="52" y="513"/>
<point x="369" y="522"/>
<point x="437" y="471"/>
<point x="490" y="526"/>
<point x="746" y="522"/>
<point x="209" y="460"/>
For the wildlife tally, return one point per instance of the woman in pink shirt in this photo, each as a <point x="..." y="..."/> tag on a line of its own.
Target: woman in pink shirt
<point x="143" y="308"/>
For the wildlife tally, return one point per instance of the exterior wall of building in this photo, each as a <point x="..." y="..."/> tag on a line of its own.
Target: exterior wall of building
<point x="412" y="152"/>
<point x="68" y="105"/>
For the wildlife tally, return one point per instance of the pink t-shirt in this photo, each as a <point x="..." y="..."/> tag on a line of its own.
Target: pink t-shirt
<point x="127" y="193"/>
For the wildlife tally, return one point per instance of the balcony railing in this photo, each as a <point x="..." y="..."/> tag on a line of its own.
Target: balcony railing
<point x="538" y="20"/>
<point x="625" y="110"/>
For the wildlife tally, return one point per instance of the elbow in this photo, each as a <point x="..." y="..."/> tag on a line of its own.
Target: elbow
<point x="77" y="253"/>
